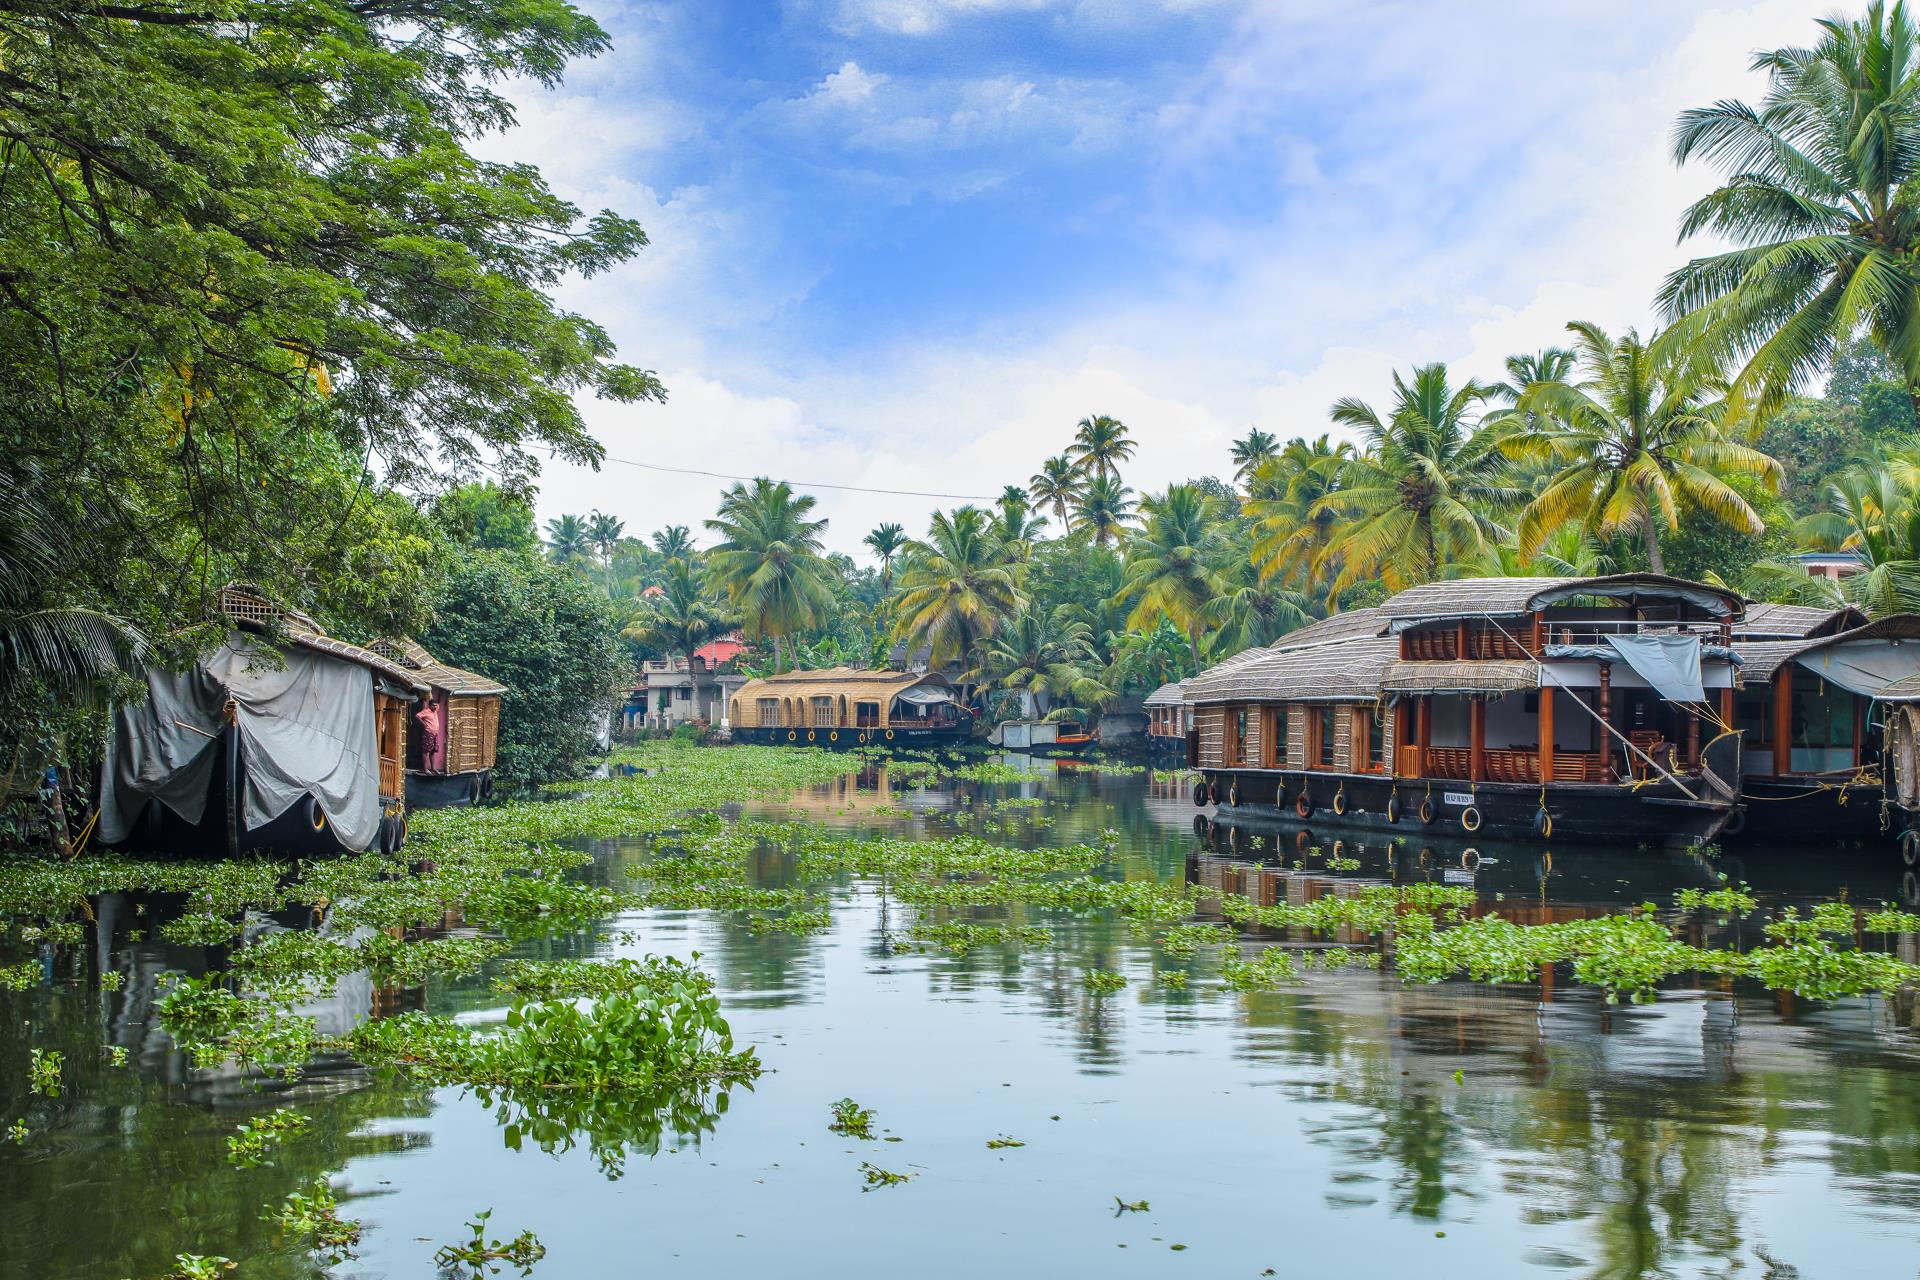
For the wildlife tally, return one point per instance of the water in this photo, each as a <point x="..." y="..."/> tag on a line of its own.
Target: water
<point x="1346" y="1125"/>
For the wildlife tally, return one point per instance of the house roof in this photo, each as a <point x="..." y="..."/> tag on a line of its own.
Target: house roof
<point x="1505" y="675"/>
<point x="852" y="681"/>
<point x="1335" y="671"/>
<point x="1765" y="621"/>
<point x="1167" y="695"/>
<point x="1505" y="597"/>
<point x="413" y="655"/>
<point x="1759" y="660"/>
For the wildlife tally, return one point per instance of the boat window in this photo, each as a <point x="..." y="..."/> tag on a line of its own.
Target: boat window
<point x="1753" y="714"/>
<point x="867" y="714"/>
<point x="1236" y="744"/>
<point x="1325" y="736"/>
<point x="823" y="713"/>
<point x="1273" y="739"/>
<point x="1369" y="730"/>
<point x="769" y="712"/>
<point x="1823" y="728"/>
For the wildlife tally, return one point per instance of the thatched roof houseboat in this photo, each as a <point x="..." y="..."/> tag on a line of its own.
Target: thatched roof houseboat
<point x="453" y="735"/>
<point x="284" y="738"/>
<point x="1632" y="706"/>
<point x="850" y="707"/>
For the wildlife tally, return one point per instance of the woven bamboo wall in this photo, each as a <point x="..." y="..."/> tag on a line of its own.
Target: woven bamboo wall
<point x="1212" y="723"/>
<point x="473" y="733"/>
<point x="1297" y="736"/>
<point x="1343" y="742"/>
<point x="1252" y="755"/>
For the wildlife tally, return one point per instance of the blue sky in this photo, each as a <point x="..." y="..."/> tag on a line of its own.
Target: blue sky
<point x="907" y="243"/>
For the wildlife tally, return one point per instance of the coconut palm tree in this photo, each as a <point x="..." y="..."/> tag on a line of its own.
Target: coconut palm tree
<point x="1248" y="453"/>
<point x="46" y="646"/>
<point x="679" y="618"/>
<point x="1016" y="526"/>
<point x="1548" y="364"/>
<point x="1250" y="612"/>
<point x="885" y="542"/>
<point x="1104" y="509"/>
<point x="1100" y="445"/>
<point x="675" y="542"/>
<point x="568" y="539"/>
<point x="954" y="587"/>
<point x="1044" y="655"/>
<point x="1415" y="498"/>
<point x="604" y="531"/>
<point x="1820" y="204"/>
<point x="1058" y="485"/>
<point x="1629" y="442"/>
<point x="1172" y="563"/>
<point x="1873" y="513"/>
<point x="1292" y="529"/>
<point x="768" y="563"/>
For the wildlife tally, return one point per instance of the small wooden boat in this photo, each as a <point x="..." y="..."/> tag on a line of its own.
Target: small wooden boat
<point x="1043" y="737"/>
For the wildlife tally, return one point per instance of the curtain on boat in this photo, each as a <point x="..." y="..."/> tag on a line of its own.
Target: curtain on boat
<point x="306" y="728"/>
<point x="1671" y="664"/>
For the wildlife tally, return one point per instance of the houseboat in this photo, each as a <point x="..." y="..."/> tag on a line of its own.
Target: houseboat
<point x="1169" y="721"/>
<point x="282" y="739"/>
<point x="846" y="707"/>
<point x="454" y="732"/>
<point x="1571" y="708"/>
<point x="1043" y="737"/>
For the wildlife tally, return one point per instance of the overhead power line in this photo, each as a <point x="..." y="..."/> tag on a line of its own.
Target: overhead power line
<point x="804" y="484"/>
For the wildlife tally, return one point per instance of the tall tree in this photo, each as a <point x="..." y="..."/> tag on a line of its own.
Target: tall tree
<point x="1172" y="563"/>
<point x="1293" y="529"/>
<point x="1872" y="512"/>
<point x="1056" y="484"/>
<point x="769" y="563"/>
<point x="885" y="542"/>
<point x="1629" y="442"/>
<point x="1016" y="526"/>
<point x="1047" y="655"/>
<point x="1415" y="498"/>
<point x="1249" y="452"/>
<point x="675" y="542"/>
<point x="255" y="253"/>
<point x="679" y="618"/>
<point x="1819" y="202"/>
<point x="954" y="587"/>
<point x="1100" y="445"/>
<point x="1104" y="509"/>
<point x="604" y="532"/>
<point x="568" y="539"/>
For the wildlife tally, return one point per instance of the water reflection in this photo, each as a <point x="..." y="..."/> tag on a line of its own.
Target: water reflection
<point x="1345" y="1117"/>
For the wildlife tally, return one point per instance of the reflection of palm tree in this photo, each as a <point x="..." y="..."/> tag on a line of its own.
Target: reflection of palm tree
<point x="1058" y="485"/>
<point x="769" y="563"/>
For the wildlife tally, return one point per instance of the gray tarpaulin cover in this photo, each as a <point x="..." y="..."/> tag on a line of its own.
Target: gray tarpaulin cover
<point x="1864" y="667"/>
<point x="926" y="695"/>
<point x="306" y="728"/>
<point x="1671" y="664"/>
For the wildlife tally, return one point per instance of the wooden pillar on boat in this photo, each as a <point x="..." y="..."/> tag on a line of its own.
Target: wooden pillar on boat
<point x="1606" y="721"/>
<point x="1726" y="709"/>
<point x="1400" y="718"/>
<point x="1477" y="740"/>
<point x="1783" y="720"/>
<point x="1693" y="739"/>
<point x="1859" y="726"/>
<point x="1425" y="732"/>
<point x="1546" y="728"/>
<point x="1460" y="640"/>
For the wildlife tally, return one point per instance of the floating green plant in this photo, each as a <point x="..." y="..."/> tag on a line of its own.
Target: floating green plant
<point x="875" y="1177"/>
<point x="43" y="1071"/>
<point x="852" y="1119"/>
<point x="1103" y="981"/>
<point x="313" y="1218"/>
<point x="254" y="1140"/>
<point x="478" y="1256"/>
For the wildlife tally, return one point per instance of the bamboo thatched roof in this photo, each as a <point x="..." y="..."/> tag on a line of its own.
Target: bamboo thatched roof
<point x="412" y="655"/>
<point x="1339" y="626"/>
<point x="1796" y="621"/>
<point x="1511" y="597"/>
<point x="1167" y="695"/>
<point x="1498" y="676"/>
<point x="1336" y="671"/>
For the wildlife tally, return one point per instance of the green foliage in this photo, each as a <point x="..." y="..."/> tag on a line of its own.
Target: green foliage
<point x="485" y="515"/>
<point x="1103" y="981"/>
<point x="875" y="1177"/>
<point x="852" y="1119"/>
<point x="250" y="1145"/>
<point x="478" y="1256"/>
<point x="43" y="1071"/>
<point x="550" y="637"/>
<point x="313" y="1217"/>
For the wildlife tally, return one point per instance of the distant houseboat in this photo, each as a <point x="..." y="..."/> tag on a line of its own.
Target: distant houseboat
<point x="1169" y="722"/>
<point x="453" y="735"/>
<point x="844" y="707"/>
<point x="1571" y="708"/>
<point x="282" y="739"/>
<point x="1043" y="737"/>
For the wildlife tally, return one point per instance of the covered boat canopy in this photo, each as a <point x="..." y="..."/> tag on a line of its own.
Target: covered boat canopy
<point x="1456" y="598"/>
<point x="1876" y="660"/>
<point x="444" y="677"/>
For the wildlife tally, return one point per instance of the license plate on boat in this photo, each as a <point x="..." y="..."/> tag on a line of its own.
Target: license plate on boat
<point x="1456" y="875"/>
<point x="1456" y="797"/>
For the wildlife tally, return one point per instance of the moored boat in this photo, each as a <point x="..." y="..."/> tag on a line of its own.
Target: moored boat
<point x="1043" y="737"/>
<point x="453" y="735"/>
<point x="849" y="707"/>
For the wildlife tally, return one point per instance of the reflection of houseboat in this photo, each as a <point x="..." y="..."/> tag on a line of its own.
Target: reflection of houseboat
<point x="850" y="707"/>
<point x="283" y="738"/>
<point x="1043" y="737"/>
<point x="454" y="733"/>
<point x="1521" y="705"/>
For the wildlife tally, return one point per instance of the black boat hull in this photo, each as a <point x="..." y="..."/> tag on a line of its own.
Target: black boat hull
<point x="854" y="739"/>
